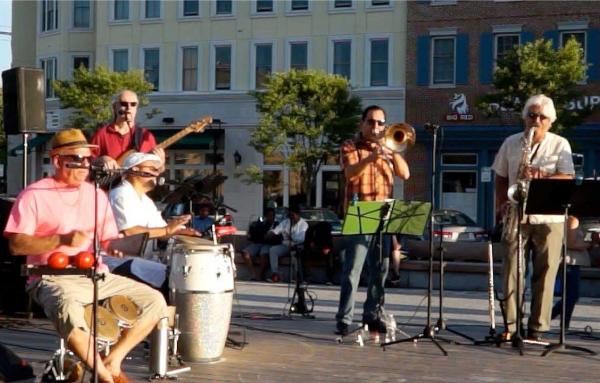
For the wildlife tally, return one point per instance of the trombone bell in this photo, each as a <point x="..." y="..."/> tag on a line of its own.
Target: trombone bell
<point x="398" y="137"/>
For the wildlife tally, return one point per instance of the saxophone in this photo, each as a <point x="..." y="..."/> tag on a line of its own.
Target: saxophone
<point x="518" y="192"/>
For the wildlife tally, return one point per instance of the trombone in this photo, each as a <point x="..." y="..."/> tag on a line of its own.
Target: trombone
<point x="398" y="137"/>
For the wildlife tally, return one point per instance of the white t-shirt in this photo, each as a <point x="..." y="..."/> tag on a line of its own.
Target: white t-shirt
<point x="295" y="234"/>
<point x="551" y="155"/>
<point x="130" y="210"/>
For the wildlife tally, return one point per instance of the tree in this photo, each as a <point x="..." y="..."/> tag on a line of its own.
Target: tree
<point x="90" y="94"/>
<point x="536" y="68"/>
<point x="305" y="115"/>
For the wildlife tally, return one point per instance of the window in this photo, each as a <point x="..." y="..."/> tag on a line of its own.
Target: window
<point x="152" y="66"/>
<point x="191" y="8"/>
<point x="579" y="36"/>
<point x="81" y="14"/>
<point x="379" y="62"/>
<point x="264" y="63"/>
<point x="342" y="4"/>
<point x="48" y="65"/>
<point x="264" y="6"/>
<point x="49" y="15"/>
<point x="79" y="61"/>
<point x="223" y="67"/>
<point x="120" y="60"/>
<point x="504" y="44"/>
<point x="223" y="7"/>
<point x="189" y="72"/>
<point x="342" y="58"/>
<point x="152" y="9"/>
<point x="299" y="5"/>
<point x="443" y="60"/>
<point x="121" y="10"/>
<point x="380" y="3"/>
<point x="299" y="55"/>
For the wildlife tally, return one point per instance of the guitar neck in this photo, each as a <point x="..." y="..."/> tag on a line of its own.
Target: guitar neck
<point x="174" y="138"/>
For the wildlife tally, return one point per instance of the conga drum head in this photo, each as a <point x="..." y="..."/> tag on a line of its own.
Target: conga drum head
<point x="108" y="325"/>
<point x="124" y="309"/>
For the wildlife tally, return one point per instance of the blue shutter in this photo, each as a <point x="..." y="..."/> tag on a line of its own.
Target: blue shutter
<point x="423" y="53"/>
<point x="462" y="59"/>
<point x="593" y="54"/>
<point x="552" y="35"/>
<point x="486" y="58"/>
<point x="527" y="37"/>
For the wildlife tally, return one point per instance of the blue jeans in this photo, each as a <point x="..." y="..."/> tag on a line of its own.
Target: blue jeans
<point x="357" y="251"/>
<point x="573" y="276"/>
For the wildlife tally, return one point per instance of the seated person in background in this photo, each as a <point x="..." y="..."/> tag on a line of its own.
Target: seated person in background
<point x="577" y="257"/>
<point x="136" y="213"/>
<point x="203" y="221"/>
<point x="292" y="231"/>
<point x="56" y="214"/>
<point x="259" y="248"/>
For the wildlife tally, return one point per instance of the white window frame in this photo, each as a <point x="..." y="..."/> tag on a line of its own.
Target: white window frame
<point x="182" y="17"/>
<point x="212" y="71"/>
<point x="254" y="13"/>
<point x="40" y="14"/>
<point x="180" y="48"/>
<point x="72" y="56"/>
<point x="368" y="40"/>
<point x="55" y="74"/>
<point x="73" y="28"/>
<point x="144" y="19"/>
<point x="253" y="46"/>
<point x="332" y="41"/>
<point x="111" y="58"/>
<point x="213" y="10"/>
<point x="142" y="59"/>
<point x="297" y="12"/>
<point x="370" y="7"/>
<point x="288" y="51"/>
<point x="438" y="34"/>
<point x="111" y="13"/>
<point x="333" y="9"/>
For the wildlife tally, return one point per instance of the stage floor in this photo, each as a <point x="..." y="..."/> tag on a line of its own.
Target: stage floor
<point x="282" y="349"/>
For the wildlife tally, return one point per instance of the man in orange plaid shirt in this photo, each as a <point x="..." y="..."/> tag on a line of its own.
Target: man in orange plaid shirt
<point x="369" y="169"/>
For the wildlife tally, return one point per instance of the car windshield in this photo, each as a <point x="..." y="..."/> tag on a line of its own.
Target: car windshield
<point x="318" y="215"/>
<point x="453" y="218"/>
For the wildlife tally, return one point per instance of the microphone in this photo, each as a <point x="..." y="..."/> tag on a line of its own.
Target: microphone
<point x="140" y="173"/>
<point x="94" y="168"/>
<point x="121" y="112"/>
<point x="431" y="128"/>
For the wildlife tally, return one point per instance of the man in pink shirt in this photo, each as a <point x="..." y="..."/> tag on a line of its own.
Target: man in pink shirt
<point x="57" y="214"/>
<point x="116" y="138"/>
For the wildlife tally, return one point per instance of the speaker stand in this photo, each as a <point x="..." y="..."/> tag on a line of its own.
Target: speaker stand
<point x="25" y="159"/>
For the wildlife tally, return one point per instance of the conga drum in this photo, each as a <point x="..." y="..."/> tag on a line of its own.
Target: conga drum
<point x="202" y="277"/>
<point x="108" y="326"/>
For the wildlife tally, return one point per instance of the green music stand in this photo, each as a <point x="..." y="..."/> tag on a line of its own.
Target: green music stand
<point x="389" y="217"/>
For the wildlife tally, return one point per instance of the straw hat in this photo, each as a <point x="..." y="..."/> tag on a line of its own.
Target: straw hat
<point x="69" y="139"/>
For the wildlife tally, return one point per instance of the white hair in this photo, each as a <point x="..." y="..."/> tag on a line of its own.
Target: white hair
<point x="545" y="102"/>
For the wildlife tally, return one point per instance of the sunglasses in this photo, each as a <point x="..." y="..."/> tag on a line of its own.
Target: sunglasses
<point x="371" y="121"/>
<point x="76" y="158"/>
<point x="125" y="104"/>
<point x="534" y="116"/>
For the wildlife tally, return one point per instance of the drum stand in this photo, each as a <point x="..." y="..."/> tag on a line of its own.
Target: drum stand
<point x="160" y="358"/>
<point x="300" y="292"/>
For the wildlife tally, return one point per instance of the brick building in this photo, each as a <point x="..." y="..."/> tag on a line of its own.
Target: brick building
<point x="451" y="51"/>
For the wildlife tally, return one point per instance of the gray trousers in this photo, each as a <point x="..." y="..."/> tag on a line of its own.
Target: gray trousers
<point x="542" y="243"/>
<point x="357" y="247"/>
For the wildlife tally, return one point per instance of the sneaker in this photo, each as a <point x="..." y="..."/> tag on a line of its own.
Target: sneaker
<point x="535" y="336"/>
<point x="341" y="329"/>
<point x="274" y="278"/>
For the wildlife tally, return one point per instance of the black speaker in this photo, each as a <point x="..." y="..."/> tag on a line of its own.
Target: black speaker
<point x="24" y="100"/>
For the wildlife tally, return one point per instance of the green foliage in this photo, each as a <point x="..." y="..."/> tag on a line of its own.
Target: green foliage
<point x="536" y="68"/>
<point x="305" y="115"/>
<point x="90" y="94"/>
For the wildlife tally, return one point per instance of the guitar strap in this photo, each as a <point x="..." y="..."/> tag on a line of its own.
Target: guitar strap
<point x="137" y="138"/>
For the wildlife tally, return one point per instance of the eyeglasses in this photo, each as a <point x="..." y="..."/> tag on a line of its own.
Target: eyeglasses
<point x="534" y="116"/>
<point x="125" y="104"/>
<point x="371" y="121"/>
<point x="76" y="158"/>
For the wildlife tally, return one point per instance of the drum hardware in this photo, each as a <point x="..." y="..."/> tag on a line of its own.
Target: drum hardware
<point x="62" y="366"/>
<point x="159" y="351"/>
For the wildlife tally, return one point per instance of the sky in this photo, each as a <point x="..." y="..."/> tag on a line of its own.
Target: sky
<point x="5" y="26"/>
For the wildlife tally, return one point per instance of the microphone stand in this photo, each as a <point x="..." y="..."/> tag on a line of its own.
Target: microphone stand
<point x="95" y="277"/>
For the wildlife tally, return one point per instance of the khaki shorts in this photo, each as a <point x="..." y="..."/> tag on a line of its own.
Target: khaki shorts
<point x="64" y="297"/>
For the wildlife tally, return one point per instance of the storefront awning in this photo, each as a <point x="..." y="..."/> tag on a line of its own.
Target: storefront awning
<point x="191" y="141"/>
<point x="32" y="144"/>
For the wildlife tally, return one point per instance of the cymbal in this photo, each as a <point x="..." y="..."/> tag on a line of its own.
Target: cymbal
<point x="194" y="187"/>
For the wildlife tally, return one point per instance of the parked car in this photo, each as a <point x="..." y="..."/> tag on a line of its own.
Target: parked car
<point x="460" y="236"/>
<point x="312" y="216"/>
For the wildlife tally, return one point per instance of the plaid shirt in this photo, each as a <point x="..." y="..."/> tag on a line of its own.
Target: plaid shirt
<point x="375" y="182"/>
